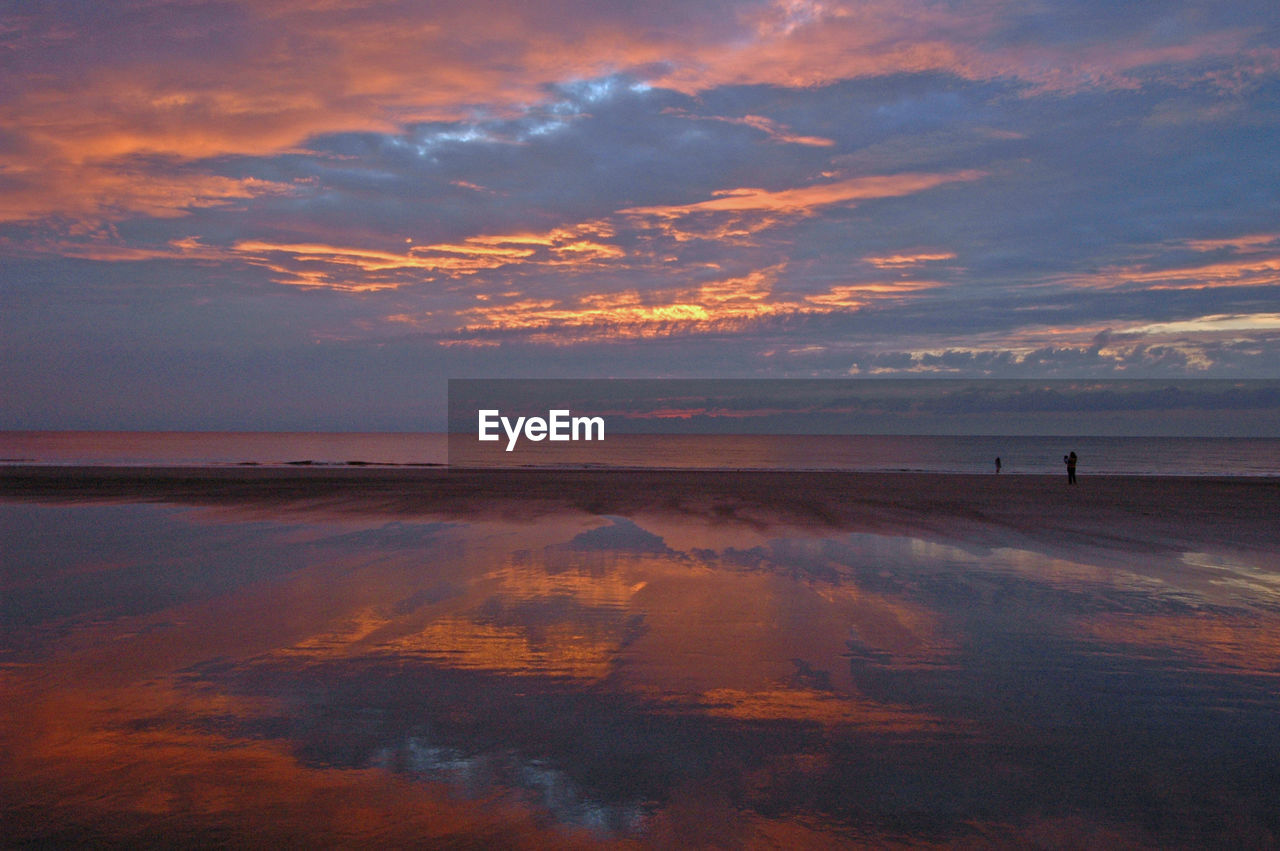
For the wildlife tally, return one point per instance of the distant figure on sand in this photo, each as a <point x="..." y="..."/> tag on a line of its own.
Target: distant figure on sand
<point x="1070" y="461"/>
<point x="997" y="465"/>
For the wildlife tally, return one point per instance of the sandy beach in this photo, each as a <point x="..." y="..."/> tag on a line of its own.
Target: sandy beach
<point x="1105" y="513"/>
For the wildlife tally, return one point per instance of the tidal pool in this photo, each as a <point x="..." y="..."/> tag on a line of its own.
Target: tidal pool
<point x="178" y="676"/>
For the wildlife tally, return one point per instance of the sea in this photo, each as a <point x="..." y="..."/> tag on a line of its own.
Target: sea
<point x="970" y="454"/>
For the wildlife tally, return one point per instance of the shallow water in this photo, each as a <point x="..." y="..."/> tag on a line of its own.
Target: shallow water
<point x="233" y="676"/>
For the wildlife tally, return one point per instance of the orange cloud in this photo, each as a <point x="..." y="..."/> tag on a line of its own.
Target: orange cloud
<point x="331" y="266"/>
<point x="187" y="248"/>
<point x="733" y="214"/>
<point x="1247" y="271"/>
<point x="717" y="306"/>
<point x="1239" y="243"/>
<point x="775" y="131"/>
<point x="780" y="133"/>
<point x="803" y="199"/>
<point x="898" y="261"/>
<point x="631" y="313"/>
<point x="1251" y="260"/>
<point x="857" y="295"/>
<point x="266" y="76"/>
<point x="96" y="192"/>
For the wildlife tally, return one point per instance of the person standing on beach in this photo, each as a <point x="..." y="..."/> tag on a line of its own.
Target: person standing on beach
<point x="997" y="465"/>
<point x="1071" y="467"/>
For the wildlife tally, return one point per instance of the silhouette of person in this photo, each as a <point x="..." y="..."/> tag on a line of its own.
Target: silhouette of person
<point x="997" y="465"/>
<point x="1071" y="467"/>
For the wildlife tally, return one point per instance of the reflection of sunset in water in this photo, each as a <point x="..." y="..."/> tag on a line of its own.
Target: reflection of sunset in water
<point x="558" y="650"/>
<point x="1245" y="643"/>
<point x="253" y="676"/>
<point x="798" y="704"/>
<point x="151" y="765"/>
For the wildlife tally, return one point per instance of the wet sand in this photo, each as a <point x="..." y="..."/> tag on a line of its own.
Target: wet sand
<point x="1113" y="513"/>
<point x="330" y="657"/>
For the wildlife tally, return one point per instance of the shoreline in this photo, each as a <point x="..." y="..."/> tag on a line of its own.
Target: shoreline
<point x="1115" y="514"/>
<point x="24" y="465"/>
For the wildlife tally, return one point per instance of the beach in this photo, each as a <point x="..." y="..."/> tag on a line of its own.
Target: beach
<point x="1146" y="513"/>
<point x="593" y="658"/>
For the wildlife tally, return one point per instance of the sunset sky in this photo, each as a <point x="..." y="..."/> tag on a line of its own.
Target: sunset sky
<point x="308" y="214"/>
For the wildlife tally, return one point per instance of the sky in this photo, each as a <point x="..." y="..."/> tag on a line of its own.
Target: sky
<point x="910" y="406"/>
<point x="309" y="214"/>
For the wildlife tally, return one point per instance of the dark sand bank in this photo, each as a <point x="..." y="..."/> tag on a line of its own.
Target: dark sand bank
<point x="1110" y="513"/>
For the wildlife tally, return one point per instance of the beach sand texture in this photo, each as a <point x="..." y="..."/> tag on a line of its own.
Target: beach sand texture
<point x="1113" y="512"/>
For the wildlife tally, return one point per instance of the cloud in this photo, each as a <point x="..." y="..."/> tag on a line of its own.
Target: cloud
<point x="1249" y="242"/>
<point x="737" y="214"/>
<point x="192" y="82"/>
<point x="187" y="248"/>
<point x="774" y="130"/>
<point x="1231" y="323"/>
<point x="1244" y="272"/>
<point x="801" y="200"/>
<point x="761" y="187"/>
<point x="715" y="306"/>
<point x="900" y="261"/>
<point x="95" y="193"/>
<point x="1101" y="48"/>
<point x="629" y="240"/>
<point x="725" y="306"/>
<point x="355" y="269"/>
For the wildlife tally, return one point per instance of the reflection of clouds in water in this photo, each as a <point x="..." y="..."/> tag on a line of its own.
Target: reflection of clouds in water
<point x="590" y="668"/>
<point x="600" y="581"/>
<point x="342" y="638"/>
<point x="556" y="650"/>
<point x="944" y="578"/>
<point x="548" y="612"/>
<point x="1224" y="642"/>
<point x="824" y="707"/>
<point x="621" y="535"/>
<point x="393" y="535"/>
<point x="1256" y="580"/>
<point x="533" y="781"/>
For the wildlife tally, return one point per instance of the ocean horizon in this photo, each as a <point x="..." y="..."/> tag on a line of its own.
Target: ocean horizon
<point x="965" y="454"/>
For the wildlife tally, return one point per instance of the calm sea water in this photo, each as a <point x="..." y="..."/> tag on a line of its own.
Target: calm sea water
<point x="1197" y="456"/>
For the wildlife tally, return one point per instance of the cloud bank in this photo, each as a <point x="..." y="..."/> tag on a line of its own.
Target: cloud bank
<point x="315" y="212"/>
